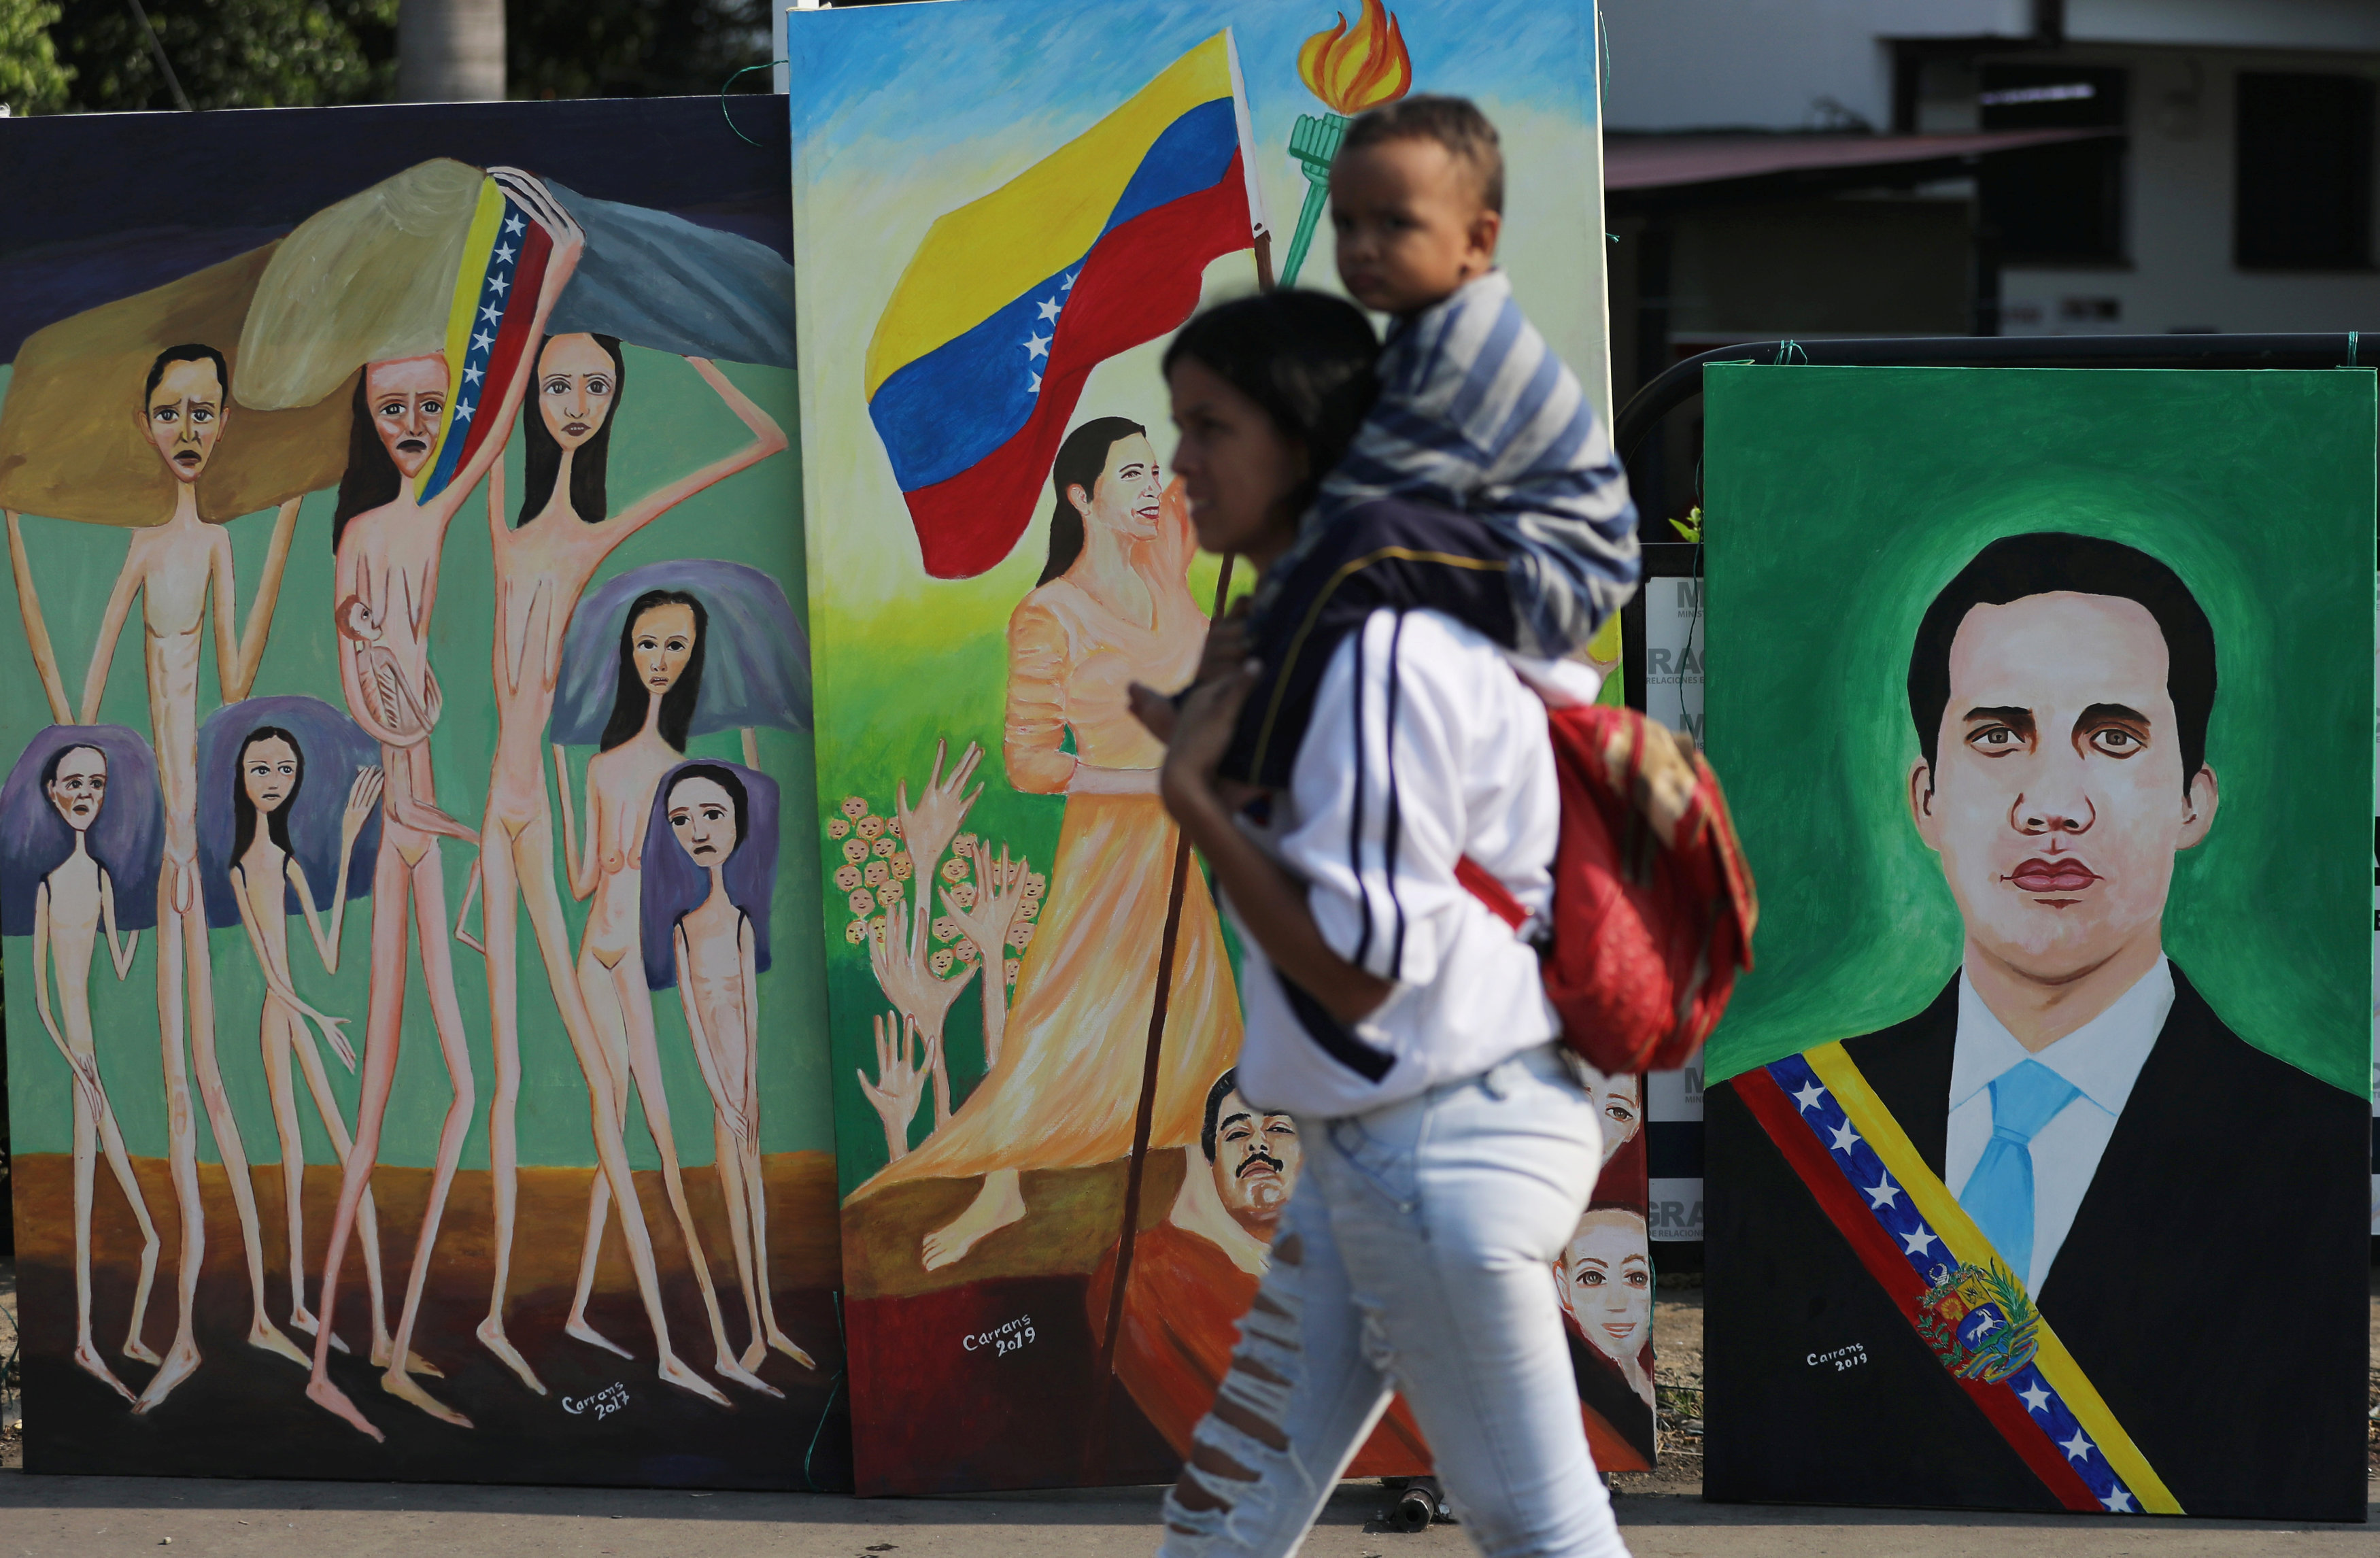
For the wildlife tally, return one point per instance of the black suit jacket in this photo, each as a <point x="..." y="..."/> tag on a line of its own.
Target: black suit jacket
<point x="2212" y="1287"/>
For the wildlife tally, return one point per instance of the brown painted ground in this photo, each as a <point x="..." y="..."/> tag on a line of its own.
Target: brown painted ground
<point x="243" y="1413"/>
<point x="1071" y="1218"/>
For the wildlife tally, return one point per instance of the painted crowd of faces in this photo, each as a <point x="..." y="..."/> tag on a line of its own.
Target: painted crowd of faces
<point x="280" y="804"/>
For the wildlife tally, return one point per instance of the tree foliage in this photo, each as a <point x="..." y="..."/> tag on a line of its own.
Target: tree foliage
<point x="633" y="48"/>
<point x="31" y="79"/>
<point x="228" y="53"/>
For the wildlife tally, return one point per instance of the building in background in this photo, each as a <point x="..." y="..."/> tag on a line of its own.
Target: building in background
<point x="1814" y="168"/>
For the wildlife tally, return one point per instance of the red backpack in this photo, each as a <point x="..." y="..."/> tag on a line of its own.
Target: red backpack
<point x="1653" y="908"/>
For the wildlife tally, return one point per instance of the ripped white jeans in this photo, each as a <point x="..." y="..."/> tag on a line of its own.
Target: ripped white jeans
<point x="1416" y="1256"/>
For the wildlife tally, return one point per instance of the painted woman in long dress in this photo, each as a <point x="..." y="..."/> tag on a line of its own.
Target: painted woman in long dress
<point x="84" y="827"/>
<point x="705" y="930"/>
<point x="1113" y="607"/>
<point x="543" y="561"/>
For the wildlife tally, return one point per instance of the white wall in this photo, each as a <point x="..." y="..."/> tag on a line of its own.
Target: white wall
<point x="1766" y="63"/>
<point x="2272" y="24"/>
<point x="2179" y="224"/>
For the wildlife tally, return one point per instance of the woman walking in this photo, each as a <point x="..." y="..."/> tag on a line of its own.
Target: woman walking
<point x="1451" y="1141"/>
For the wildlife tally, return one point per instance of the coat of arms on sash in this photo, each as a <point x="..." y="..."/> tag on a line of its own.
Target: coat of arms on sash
<point x="1979" y="1321"/>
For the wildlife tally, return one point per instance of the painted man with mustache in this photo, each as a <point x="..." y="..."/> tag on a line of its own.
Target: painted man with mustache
<point x="1194" y="1274"/>
<point x="2090" y="1112"/>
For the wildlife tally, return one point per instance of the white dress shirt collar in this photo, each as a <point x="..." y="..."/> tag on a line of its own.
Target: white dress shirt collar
<point x="2102" y="1059"/>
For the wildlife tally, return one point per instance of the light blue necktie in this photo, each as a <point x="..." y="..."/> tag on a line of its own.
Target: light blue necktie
<point x="1999" y="1193"/>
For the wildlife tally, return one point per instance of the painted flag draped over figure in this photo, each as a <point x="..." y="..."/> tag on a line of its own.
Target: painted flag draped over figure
<point x="1011" y="300"/>
<point x="503" y="263"/>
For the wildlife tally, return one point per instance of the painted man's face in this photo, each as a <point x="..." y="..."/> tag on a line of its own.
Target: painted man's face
<point x="406" y="399"/>
<point x="1255" y="1164"/>
<point x="81" y="787"/>
<point x="576" y="383"/>
<point x="184" y="417"/>
<point x="2056" y="799"/>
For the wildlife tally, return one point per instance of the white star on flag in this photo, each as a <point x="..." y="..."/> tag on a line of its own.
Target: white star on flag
<point x="1037" y="383"/>
<point x="463" y="412"/>
<point x="1049" y="307"/>
<point x="1037" y="346"/>
<point x="1885" y="1194"/>
<point x="491" y="313"/>
<point x="497" y="285"/>
<point x="504" y="252"/>
<point x="2036" y="1399"/>
<point x="513" y="225"/>
<point x="1918" y="1242"/>
<point x="471" y="376"/>
<point x="2078" y="1446"/>
<point x="482" y="341"/>
<point x="1068" y="285"/>
<point x="1845" y="1138"/>
<point x="2118" y="1503"/>
<point x="1809" y="1096"/>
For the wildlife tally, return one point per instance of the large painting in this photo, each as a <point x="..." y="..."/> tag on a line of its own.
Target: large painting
<point x="423" y="1073"/>
<point x="1001" y="211"/>
<point x="2048" y="694"/>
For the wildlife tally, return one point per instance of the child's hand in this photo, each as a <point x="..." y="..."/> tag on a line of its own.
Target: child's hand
<point x="1202" y="732"/>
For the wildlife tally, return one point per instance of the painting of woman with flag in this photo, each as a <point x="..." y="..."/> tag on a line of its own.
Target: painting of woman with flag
<point x="1113" y="607"/>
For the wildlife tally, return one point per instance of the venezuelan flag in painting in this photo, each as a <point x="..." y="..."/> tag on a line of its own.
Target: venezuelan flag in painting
<point x="486" y="326"/>
<point x="1010" y="302"/>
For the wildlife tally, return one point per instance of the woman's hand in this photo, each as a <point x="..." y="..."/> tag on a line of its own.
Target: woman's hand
<point x="363" y="795"/>
<point x="1225" y="655"/>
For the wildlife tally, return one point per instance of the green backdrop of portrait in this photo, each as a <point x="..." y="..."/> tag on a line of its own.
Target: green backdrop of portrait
<point x="1842" y="499"/>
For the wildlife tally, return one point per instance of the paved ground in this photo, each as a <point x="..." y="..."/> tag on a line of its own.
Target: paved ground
<point x="1664" y="1516"/>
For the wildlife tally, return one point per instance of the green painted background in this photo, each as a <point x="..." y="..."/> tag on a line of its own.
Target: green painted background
<point x="669" y="422"/>
<point x="1840" y="500"/>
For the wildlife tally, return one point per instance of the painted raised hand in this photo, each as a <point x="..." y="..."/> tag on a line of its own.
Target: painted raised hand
<point x="999" y="895"/>
<point x="900" y="1082"/>
<point x="927" y="831"/>
<point x="910" y="984"/>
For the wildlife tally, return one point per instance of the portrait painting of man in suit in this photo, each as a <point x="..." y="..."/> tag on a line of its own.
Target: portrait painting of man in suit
<point x="1960" y="1257"/>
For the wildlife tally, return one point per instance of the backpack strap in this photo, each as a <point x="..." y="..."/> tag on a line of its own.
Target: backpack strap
<point x="1483" y="885"/>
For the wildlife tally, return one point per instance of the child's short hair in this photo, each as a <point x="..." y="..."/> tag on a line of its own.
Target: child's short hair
<point x="1454" y="123"/>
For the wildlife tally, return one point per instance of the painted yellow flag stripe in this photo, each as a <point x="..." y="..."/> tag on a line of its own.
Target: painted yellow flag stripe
<point x="479" y="242"/>
<point x="1967" y="1243"/>
<point x="980" y="258"/>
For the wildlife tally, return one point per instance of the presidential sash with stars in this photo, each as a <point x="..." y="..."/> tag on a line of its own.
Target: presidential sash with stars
<point x="1945" y="1277"/>
<point x="488" y="326"/>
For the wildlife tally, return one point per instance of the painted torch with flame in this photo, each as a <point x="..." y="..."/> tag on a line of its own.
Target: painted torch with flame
<point x="1350" y="71"/>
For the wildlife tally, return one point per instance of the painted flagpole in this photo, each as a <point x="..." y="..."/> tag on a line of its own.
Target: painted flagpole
<point x="1095" y="1459"/>
<point x="1095" y="1466"/>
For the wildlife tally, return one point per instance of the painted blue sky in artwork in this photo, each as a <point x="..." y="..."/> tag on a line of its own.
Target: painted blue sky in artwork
<point x="946" y="72"/>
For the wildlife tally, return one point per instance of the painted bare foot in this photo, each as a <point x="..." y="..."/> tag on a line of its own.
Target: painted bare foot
<point x="785" y="1345"/>
<point x="675" y="1372"/>
<point x="998" y="1203"/>
<point x="299" y="1319"/>
<point x="139" y="1351"/>
<point x="266" y="1337"/>
<point x="578" y="1328"/>
<point x="176" y="1369"/>
<point x="492" y="1338"/>
<point x="384" y="1349"/>
<point x="729" y="1368"/>
<point x="86" y="1358"/>
<point x="402" y="1387"/>
<point x="330" y="1398"/>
